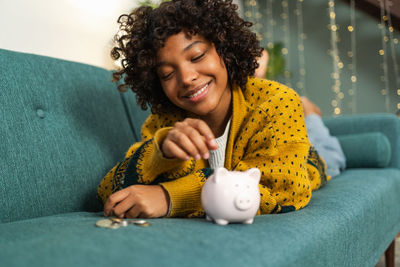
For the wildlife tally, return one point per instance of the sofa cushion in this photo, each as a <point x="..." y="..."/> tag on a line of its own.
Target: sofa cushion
<point x="369" y="150"/>
<point x="349" y="222"/>
<point x="63" y="126"/>
<point x="136" y="115"/>
<point x="388" y="124"/>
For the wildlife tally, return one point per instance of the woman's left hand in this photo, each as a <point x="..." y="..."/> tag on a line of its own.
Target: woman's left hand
<point x="138" y="201"/>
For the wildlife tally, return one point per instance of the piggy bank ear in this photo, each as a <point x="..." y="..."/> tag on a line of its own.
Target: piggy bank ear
<point x="219" y="174"/>
<point x="254" y="174"/>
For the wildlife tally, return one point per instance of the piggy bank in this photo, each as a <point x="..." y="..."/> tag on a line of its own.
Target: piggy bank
<point x="231" y="196"/>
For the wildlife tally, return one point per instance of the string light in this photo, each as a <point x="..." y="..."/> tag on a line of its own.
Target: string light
<point x="270" y="27"/>
<point x="300" y="47"/>
<point x="382" y="52"/>
<point x="352" y="54"/>
<point x="285" y="50"/>
<point x="337" y="63"/>
<point x="254" y="15"/>
<point x="393" y="41"/>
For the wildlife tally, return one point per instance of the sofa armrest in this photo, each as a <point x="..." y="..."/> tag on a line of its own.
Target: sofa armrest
<point x="388" y="124"/>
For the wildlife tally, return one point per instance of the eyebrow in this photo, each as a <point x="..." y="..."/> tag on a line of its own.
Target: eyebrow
<point x="184" y="50"/>
<point x="191" y="45"/>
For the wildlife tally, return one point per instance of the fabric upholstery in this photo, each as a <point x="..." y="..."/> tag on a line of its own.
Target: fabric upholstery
<point x="62" y="128"/>
<point x="388" y="124"/>
<point x="369" y="150"/>
<point x="345" y="224"/>
<point x="136" y="115"/>
<point x="64" y="125"/>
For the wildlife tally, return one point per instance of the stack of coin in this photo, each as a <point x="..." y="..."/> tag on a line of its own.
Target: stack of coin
<point x="106" y="223"/>
<point x="115" y="223"/>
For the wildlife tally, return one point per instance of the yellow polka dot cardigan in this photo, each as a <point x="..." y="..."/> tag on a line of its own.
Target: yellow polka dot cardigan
<point x="267" y="131"/>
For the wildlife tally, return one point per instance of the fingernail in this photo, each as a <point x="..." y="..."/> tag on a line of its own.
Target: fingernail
<point x="206" y="155"/>
<point x="197" y="157"/>
<point x="213" y="142"/>
<point x="187" y="158"/>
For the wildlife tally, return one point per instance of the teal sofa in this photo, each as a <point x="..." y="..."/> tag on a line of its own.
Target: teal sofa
<point x="64" y="125"/>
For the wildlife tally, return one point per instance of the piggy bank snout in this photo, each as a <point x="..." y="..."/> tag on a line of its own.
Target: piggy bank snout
<point x="243" y="201"/>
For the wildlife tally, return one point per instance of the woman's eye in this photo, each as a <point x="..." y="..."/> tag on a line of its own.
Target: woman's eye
<point x="198" y="57"/>
<point x="166" y="76"/>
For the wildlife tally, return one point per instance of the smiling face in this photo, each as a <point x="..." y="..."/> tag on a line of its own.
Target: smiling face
<point x="194" y="77"/>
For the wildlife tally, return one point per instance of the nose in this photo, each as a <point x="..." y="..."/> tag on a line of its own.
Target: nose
<point x="187" y="75"/>
<point x="243" y="201"/>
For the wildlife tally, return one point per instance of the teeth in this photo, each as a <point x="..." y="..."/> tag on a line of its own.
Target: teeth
<point x="199" y="92"/>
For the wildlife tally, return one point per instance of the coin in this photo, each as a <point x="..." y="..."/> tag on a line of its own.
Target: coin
<point x="115" y="223"/>
<point x="143" y="224"/>
<point x="116" y="220"/>
<point x="106" y="223"/>
<point x="114" y="226"/>
<point x="139" y="221"/>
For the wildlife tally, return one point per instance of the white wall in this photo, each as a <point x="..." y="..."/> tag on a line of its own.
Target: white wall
<point x="77" y="30"/>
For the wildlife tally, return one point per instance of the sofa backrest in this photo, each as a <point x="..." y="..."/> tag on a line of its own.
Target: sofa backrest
<point x="63" y="126"/>
<point x="136" y="116"/>
<point x="387" y="124"/>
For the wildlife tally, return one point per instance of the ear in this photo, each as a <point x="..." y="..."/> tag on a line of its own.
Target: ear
<point x="254" y="174"/>
<point x="219" y="174"/>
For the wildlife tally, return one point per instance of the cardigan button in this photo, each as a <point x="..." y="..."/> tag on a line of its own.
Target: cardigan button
<point x="40" y="113"/>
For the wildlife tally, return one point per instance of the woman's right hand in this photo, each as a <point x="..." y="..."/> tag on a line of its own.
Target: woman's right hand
<point x="189" y="138"/>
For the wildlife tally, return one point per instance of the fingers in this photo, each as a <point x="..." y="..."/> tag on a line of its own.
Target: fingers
<point x="186" y="140"/>
<point x="201" y="127"/>
<point x="113" y="200"/>
<point x="135" y="212"/>
<point x="190" y="138"/>
<point x="172" y="150"/>
<point x="122" y="203"/>
<point x="147" y="201"/>
<point x="124" y="206"/>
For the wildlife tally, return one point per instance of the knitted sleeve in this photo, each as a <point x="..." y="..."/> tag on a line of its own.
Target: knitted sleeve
<point x="185" y="194"/>
<point x="144" y="161"/>
<point x="279" y="148"/>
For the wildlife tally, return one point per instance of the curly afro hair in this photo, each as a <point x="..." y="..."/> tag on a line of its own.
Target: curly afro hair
<point x="145" y="30"/>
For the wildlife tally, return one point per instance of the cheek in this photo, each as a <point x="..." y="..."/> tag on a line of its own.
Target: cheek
<point x="166" y="89"/>
<point x="169" y="90"/>
<point x="217" y="67"/>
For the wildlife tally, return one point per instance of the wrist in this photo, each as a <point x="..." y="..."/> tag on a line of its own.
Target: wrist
<point x="167" y="201"/>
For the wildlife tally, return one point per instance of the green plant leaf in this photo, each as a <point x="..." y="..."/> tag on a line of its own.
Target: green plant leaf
<point x="276" y="61"/>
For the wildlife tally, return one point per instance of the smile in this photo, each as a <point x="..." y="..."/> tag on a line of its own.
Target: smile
<point x="198" y="92"/>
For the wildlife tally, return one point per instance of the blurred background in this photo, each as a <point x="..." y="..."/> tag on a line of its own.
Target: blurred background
<point x="77" y="30"/>
<point x="344" y="55"/>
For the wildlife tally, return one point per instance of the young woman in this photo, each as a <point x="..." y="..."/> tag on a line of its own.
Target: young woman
<point x="190" y="61"/>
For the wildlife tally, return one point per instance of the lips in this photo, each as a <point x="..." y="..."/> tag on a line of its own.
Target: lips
<point x="197" y="91"/>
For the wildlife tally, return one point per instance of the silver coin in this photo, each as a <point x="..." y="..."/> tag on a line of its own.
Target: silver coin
<point x="139" y="222"/>
<point x="114" y="226"/>
<point x="105" y="223"/>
